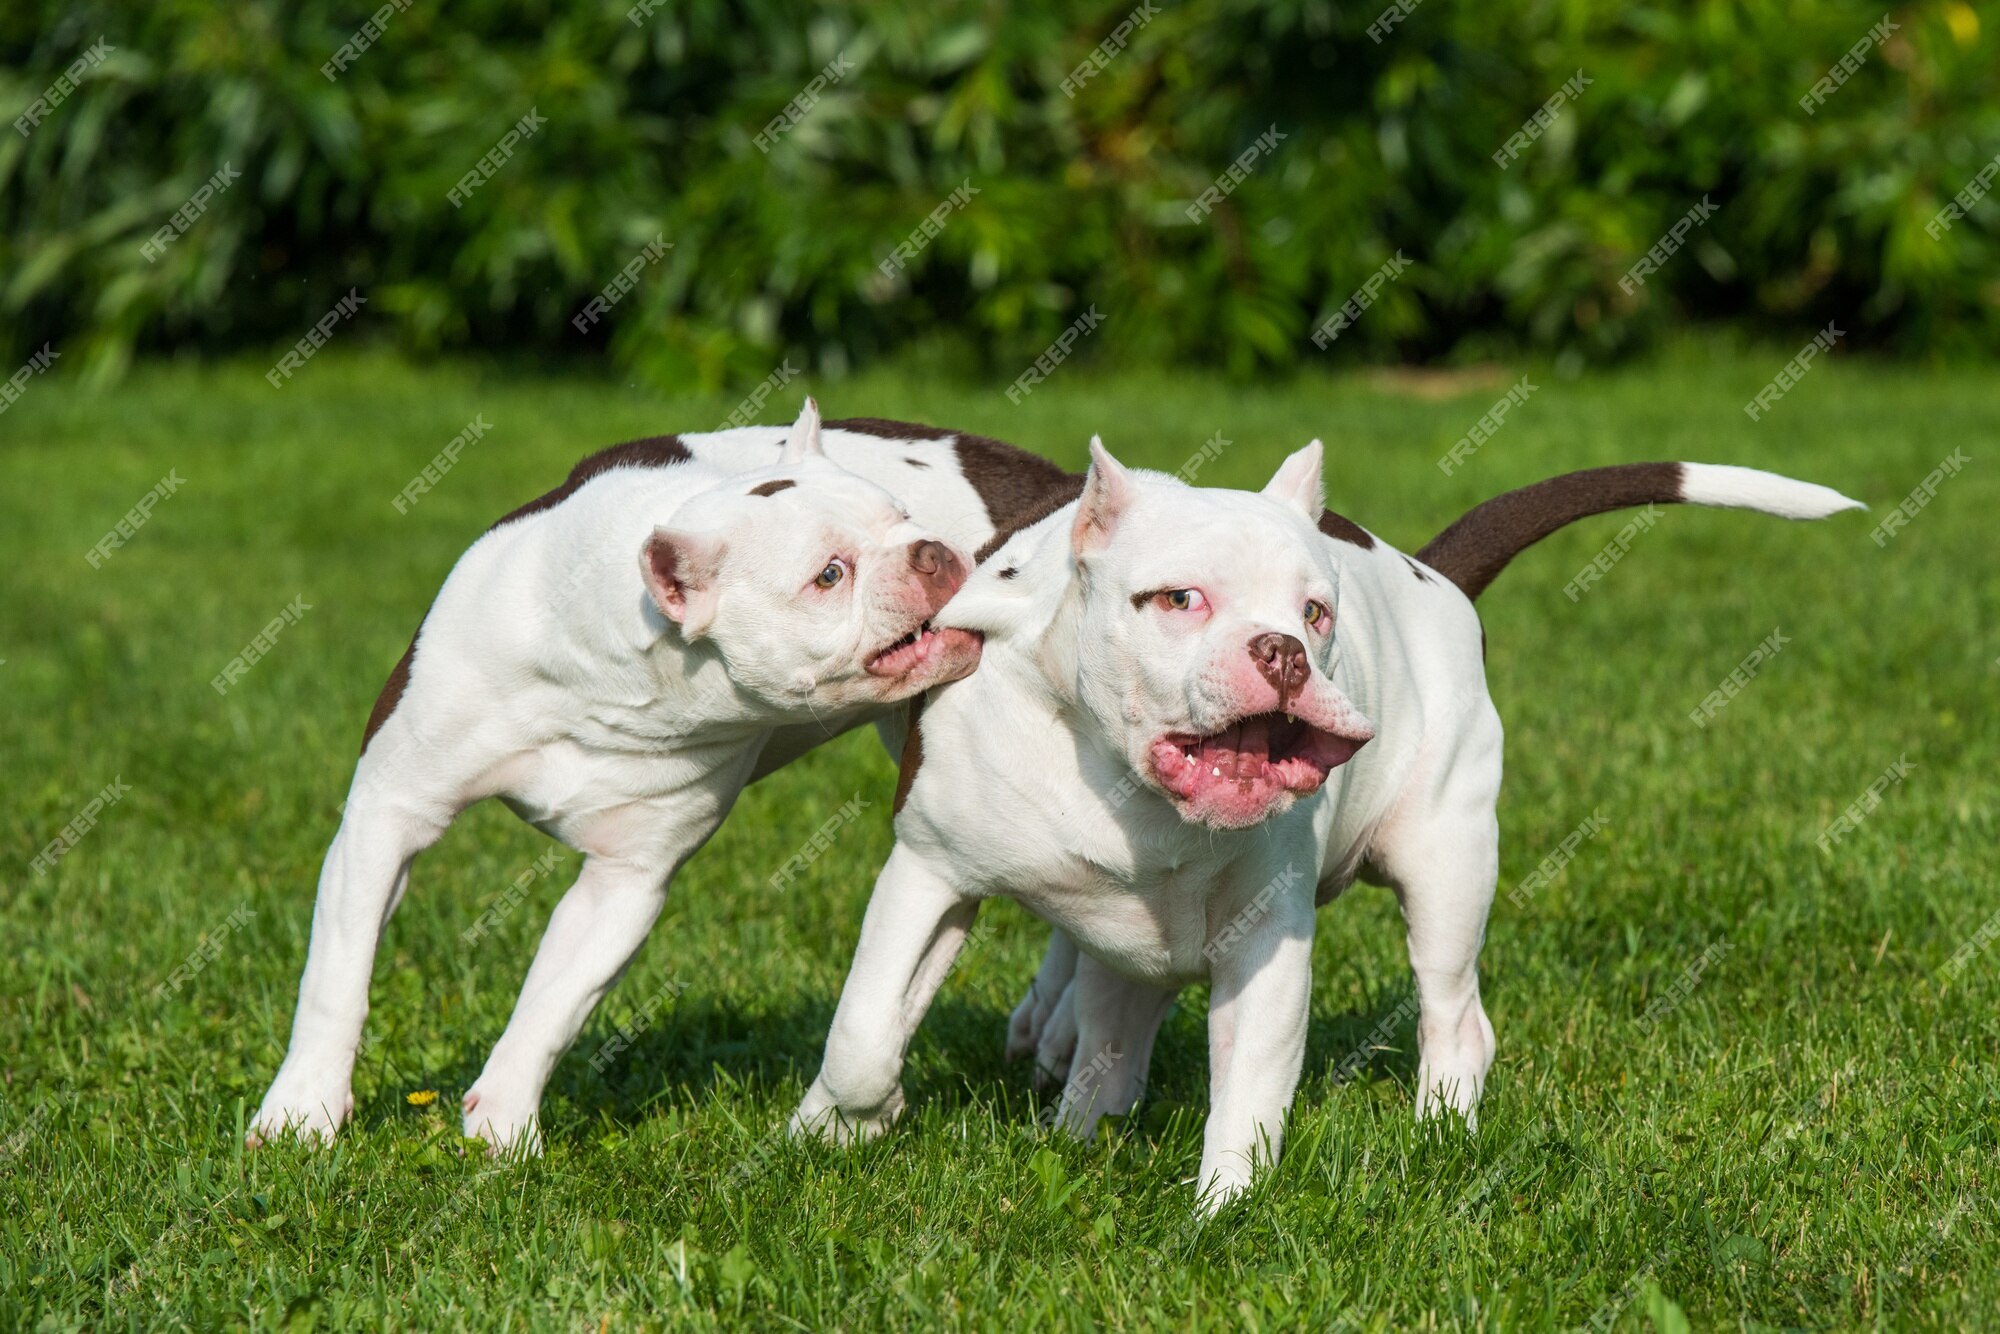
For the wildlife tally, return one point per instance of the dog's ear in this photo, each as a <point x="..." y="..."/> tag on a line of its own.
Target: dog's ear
<point x="681" y="570"/>
<point x="1298" y="483"/>
<point x="803" y="442"/>
<point x="1107" y="492"/>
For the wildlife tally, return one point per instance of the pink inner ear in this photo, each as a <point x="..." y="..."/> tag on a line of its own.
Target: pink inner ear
<point x="663" y="577"/>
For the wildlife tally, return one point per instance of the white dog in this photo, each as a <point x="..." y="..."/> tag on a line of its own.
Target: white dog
<point x="617" y="682"/>
<point x="1219" y="709"/>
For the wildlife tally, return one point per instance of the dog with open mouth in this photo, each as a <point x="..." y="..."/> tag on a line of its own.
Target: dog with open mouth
<point x="1199" y="715"/>
<point x="616" y="661"/>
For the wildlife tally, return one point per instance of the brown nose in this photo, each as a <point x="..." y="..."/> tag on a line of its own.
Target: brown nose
<point x="1281" y="660"/>
<point x="938" y="569"/>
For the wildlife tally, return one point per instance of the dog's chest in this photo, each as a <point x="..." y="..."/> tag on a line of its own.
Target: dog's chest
<point x="1156" y="932"/>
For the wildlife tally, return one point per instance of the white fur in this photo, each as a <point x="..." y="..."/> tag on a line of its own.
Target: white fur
<point x="550" y="673"/>
<point x="1729" y="487"/>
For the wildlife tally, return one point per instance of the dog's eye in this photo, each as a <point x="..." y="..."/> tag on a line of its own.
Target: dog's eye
<point x="1179" y="599"/>
<point x="1317" y="616"/>
<point x="834" y="572"/>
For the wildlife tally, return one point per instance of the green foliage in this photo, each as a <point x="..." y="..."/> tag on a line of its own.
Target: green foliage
<point x="652" y="129"/>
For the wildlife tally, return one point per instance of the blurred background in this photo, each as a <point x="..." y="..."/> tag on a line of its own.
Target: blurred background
<point x="206" y="178"/>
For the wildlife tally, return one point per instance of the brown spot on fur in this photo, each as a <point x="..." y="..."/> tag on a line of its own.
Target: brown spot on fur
<point x="913" y="757"/>
<point x="771" y="488"/>
<point x="1343" y="529"/>
<point x="916" y="463"/>
<point x="1423" y="575"/>
<point x="659" y="451"/>
<point x="392" y="692"/>
<point x="1472" y="552"/>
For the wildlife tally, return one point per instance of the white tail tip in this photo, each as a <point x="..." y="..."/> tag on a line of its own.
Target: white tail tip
<point x="1728" y="487"/>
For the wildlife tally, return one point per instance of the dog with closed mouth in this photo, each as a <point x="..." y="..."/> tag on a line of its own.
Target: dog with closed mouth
<point x="616" y="661"/>
<point x="1220" y="708"/>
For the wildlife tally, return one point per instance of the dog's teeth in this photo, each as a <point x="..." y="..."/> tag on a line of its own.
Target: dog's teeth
<point x="1215" y="772"/>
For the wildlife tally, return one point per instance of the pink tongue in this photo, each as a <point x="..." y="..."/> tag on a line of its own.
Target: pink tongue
<point x="1241" y="753"/>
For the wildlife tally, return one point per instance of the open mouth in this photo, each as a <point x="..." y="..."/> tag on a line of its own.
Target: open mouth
<point x="1236" y="775"/>
<point x="918" y="648"/>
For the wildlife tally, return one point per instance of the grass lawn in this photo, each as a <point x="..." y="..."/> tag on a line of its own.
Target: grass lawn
<point x="1740" y="1082"/>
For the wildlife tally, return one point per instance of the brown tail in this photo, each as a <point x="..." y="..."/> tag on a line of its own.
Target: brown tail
<point x="1472" y="552"/>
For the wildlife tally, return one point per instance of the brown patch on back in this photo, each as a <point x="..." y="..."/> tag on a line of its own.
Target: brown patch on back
<point x="659" y="451"/>
<point x="912" y="759"/>
<point x="883" y="429"/>
<point x="1473" y="551"/>
<point x="1343" y="529"/>
<point x="771" y="488"/>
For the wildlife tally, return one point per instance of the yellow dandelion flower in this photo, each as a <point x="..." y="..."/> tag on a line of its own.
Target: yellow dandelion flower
<point x="422" y="1098"/>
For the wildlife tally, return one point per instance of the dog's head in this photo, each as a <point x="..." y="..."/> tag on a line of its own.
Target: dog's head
<point x="812" y="584"/>
<point x="1202" y="626"/>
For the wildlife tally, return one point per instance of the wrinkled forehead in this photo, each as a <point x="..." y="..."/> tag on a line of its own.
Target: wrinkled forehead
<point x="1192" y="534"/>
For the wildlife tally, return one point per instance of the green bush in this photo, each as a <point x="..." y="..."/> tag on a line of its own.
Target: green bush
<point x="651" y="130"/>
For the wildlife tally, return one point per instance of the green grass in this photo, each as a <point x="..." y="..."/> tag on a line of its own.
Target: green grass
<point x="1779" y="1152"/>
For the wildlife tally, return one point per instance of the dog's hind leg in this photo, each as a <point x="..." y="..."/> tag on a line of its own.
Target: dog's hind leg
<point x="362" y="880"/>
<point x="1443" y="861"/>
<point x="1117" y="1020"/>
<point x="1031" y="1017"/>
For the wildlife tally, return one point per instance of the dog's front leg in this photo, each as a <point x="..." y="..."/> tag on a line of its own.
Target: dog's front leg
<point x="912" y="932"/>
<point x="1260" y="995"/>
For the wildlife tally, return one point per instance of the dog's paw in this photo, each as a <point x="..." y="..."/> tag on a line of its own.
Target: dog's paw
<point x="820" y="1117"/>
<point x="302" y="1107"/>
<point x="510" y="1126"/>
<point x="1024" y="1026"/>
<point x="1220" y="1185"/>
